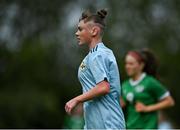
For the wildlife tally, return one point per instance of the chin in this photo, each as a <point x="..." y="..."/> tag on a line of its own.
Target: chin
<point x="81" y="43"/>
<point x="130" y="74"/>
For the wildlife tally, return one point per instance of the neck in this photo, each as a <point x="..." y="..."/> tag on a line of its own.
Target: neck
<point x="137" y="76"/>
<point x="94" y="42"/>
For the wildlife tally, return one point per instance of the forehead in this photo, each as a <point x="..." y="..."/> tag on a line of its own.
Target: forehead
<point x="83" y="24"/>
<point x="130" y="58"/>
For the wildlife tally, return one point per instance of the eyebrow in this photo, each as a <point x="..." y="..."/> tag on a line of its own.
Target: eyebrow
<point x="79" y="28"/>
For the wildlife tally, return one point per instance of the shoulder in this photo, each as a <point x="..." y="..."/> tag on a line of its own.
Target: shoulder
<point x="125" y="83"/>
<point x="100" y="54"/>
<point x="104" y="49"/>
<point x="153" y="83"/>
<point x="151" y="79"/>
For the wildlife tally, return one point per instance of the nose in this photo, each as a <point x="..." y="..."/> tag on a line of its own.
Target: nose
<point x="76" y="34"/>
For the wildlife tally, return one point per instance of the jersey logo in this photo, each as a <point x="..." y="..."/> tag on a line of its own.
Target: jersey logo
<point x="82" y="66"/>
<point x="139" y="88"/>
<point x="130" y="97"/>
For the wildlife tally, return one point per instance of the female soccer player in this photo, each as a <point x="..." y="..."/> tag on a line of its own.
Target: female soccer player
<point x="99" y="77"/>
<point x="143" y="94"/>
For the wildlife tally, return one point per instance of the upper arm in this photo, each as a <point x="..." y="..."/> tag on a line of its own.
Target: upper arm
<point x="169" y="99"/>
<point x="98" y="68"/>
<point x="104" y="86"/>
<point x="158" y="90"/>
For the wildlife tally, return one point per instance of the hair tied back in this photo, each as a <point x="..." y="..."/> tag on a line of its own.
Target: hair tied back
<point x="102" y="13"/>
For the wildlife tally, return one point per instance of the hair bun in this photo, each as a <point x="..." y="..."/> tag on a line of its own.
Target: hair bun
<point x="102" y="13"/>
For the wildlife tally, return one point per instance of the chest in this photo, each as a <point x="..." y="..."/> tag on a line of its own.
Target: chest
<point x="83" y="67"/>
<point x="139" y="92"/>
<point x="84" y="71"/>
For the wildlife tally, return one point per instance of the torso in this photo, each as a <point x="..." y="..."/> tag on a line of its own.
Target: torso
<point x="102" y="112"/>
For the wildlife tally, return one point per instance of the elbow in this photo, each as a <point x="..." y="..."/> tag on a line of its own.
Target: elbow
<point x="103" y="88"/>
<point x="171" y="102"/>
<point x="106" y="88"/>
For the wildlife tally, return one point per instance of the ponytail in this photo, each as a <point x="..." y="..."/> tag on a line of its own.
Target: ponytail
<point x="150" y="61"/>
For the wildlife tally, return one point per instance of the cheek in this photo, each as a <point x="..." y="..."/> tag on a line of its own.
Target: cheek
<point x="131" y="68"/>
<point x="86" y="37"/>
<point x="83" y="34"/>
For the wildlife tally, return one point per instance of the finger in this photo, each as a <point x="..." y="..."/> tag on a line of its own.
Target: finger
<point x="69" y="112"/>
<point x="67" y="108"/>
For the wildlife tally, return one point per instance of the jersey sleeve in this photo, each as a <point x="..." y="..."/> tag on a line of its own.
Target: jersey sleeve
<point x="98" y="68"/>
<point x="158" y="90"/>
<point x="123" y="92"/>
<point x="124" y="98"/>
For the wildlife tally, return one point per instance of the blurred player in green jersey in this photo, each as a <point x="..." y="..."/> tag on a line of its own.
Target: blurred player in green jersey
<point x="143" y="94"/>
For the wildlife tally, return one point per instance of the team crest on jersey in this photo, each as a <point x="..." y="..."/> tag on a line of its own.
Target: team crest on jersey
<point x="82" y="66"/>
<point x="130" y="97"/>
<point x="139" y="88"/>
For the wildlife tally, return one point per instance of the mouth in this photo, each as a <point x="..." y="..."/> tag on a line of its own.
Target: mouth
<point x="78" y="38"/>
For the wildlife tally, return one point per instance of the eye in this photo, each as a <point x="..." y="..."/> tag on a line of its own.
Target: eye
<point x="79" y="28"/>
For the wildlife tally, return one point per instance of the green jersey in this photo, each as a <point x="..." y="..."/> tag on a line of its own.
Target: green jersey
<point x="147" y="90"/>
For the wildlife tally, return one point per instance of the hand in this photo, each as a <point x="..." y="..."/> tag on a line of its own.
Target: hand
<point x="140" y="107"/>
<point x="70" y="105"/>
<point x="122" y="103"/>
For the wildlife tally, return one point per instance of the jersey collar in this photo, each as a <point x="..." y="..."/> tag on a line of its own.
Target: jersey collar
<point x="96" y="47"/>
<point x="133" y="83"/>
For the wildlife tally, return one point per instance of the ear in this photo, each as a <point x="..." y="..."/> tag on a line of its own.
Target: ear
<point x="94" y="31"/>
<point x="142" y="65"/>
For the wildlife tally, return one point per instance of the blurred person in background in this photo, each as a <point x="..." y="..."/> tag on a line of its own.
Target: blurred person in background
<point x="99" y="77"/>
<point x="142" y="94"/>
<point x="75" y="120"/>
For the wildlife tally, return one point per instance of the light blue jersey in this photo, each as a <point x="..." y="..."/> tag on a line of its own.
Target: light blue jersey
<point x="103" y="112"/>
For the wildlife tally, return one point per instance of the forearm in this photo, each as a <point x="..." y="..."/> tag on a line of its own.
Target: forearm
<point x="168" y="102"/>
<point x="99" y="90"/>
